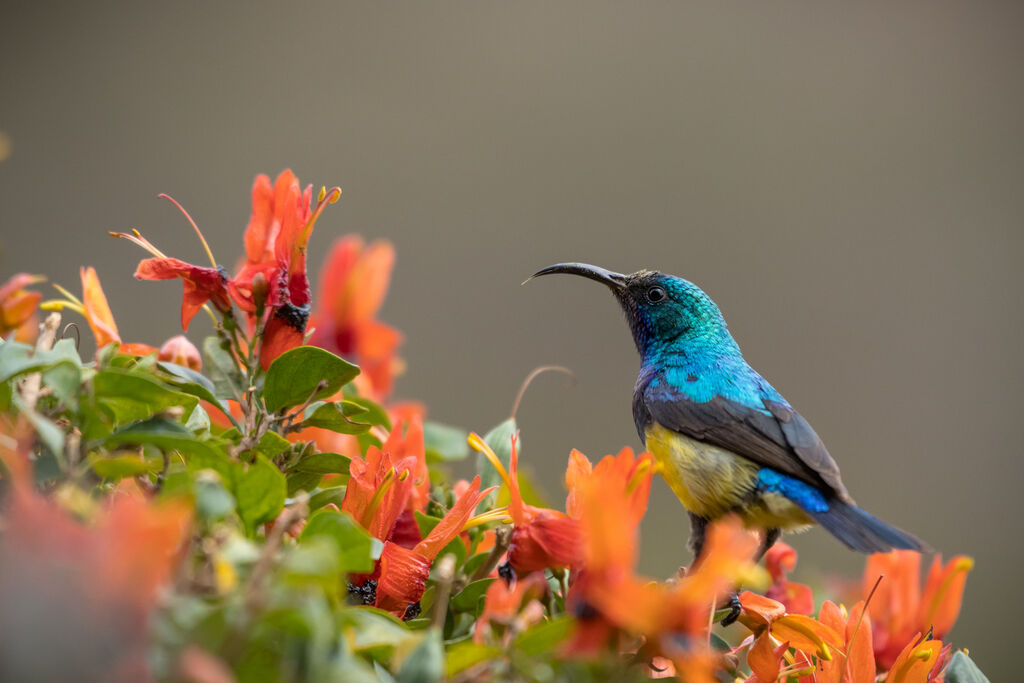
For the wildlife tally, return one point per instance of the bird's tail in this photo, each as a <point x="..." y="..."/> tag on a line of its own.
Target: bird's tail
<point x="863" y="532"/>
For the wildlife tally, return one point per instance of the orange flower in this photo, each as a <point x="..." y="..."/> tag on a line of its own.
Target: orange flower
<point x="541" y="538"/>
<point x="99" y="581"/>
<point x="94" y="308"/>
<point x="403" y="572"/>
<point x="353" y="283"/>
<point x="611" y="602"/>
<point x="201" y="284"/>
<point x="775" y="632"/>
<point x="921" y="661"/>
<point x="798" y="598"/>
<point x="899" y="608"/>
<point x="504" y="605"/>
<point x="408" y="443"/>
<point x="279" y="228"/>
<point x="181" y="351"/>
<point x="378" y="491"/>
<point x="856" y="660"/>
<point x="16" y="304"/>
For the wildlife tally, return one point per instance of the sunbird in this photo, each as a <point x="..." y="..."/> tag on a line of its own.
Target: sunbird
<point x="725" y="440"/>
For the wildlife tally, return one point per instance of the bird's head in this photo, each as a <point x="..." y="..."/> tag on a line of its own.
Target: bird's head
<point x="663" y="311"/>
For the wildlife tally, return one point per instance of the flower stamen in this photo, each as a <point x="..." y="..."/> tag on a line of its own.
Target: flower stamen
<point x="195" y="227"/>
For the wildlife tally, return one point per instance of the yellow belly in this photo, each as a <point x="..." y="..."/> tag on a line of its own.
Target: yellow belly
<point x="712" y="482"/>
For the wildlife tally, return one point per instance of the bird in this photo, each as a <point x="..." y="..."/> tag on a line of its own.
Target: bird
<point x="724" y="439"/>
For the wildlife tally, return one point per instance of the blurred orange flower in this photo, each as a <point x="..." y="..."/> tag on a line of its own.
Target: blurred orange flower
<point x="98" y="580"/>
<point x="353" y="283"/>
<point x="16" y="303"/>
<point x="779" y="561"/>
<point x="899" y="608"/>
<point x="504" y="606"/>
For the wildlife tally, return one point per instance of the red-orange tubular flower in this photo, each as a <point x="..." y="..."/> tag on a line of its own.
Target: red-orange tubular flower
<point x="378" y="491"/>
<point x="279" y="228"/>
<point x="856" y="660"/>
<point x="353" y="283"/>
<point x="403" y="571"/>
<point x="202" y="284"/>
<point x="797" y="597"/>
<point x="900" y="609"/>
<point x="541" y="538"/>
<point x="16" y="303"/>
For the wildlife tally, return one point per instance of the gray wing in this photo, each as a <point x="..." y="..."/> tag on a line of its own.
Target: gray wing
<point x="781" y="440"/>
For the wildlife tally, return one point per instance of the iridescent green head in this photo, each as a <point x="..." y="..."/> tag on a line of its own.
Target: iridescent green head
<point x="663" y="311"/>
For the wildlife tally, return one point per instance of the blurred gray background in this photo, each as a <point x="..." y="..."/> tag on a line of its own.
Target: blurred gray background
<point x="845" y="179"/>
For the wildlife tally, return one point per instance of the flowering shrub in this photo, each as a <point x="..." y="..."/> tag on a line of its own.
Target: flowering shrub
<point x="259" y="508"/>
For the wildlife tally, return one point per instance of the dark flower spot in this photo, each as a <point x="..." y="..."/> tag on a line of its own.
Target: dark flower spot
<point x="295" y="316"/>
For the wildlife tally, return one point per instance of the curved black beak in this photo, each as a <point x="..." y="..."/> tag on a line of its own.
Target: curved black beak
<point x="614" y="280"/>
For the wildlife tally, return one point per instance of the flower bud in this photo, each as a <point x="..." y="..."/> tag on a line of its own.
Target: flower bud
<point x="181" y="351"/>
<point x="260" y="289"/>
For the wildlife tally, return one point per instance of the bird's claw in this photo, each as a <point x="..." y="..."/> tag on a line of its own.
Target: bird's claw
<point x="734" y="610"/>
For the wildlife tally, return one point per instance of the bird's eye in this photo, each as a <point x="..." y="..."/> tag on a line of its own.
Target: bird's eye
<point x="656" y="294"/>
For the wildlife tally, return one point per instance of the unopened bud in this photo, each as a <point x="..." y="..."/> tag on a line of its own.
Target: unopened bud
<point x="180" y="351"/>
<point x="260" y="289"/>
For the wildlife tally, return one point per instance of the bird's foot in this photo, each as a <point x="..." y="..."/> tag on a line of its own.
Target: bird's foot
<point x="735" y="608"/>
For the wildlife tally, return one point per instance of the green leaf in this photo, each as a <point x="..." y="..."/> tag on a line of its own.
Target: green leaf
<point x="373" y="413"/>
<point x="49" y="433"/>
<point x="167" y="435"/>
<point x="133" y="396"/>
<point x="719" y="643"/>
<point x="65" y="380"/>
<point x="260" y="492"/>
<point x="373" y="628"/>
<point x="469" y="597"/>
<point x="426" y="523"/>
<point x="444" y="443"/>
<point x="213" y="501"/>
<point x="223" y="369"/>
<point x="324" y="463"/>
<point x="466" y="654"/>
<point x="330" y="416"/>
<point x="272" y="445"/>
<point x="545" y="636"/>
<point x="301" y="481"/>
<point x="353" y="542"/>
<point x="316" y="561"/>
<point x="500" y="441"/>
<point x="296" y="375"/>
<point x="962" y="669"/>
<point x="121" y="466"/>
<point x="426" y="663"/>
<point x="326" y="496"/>
<point x="18" y="359"/>
<point x="191" y="382"/>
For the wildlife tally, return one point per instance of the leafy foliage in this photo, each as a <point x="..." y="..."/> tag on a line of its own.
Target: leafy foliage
<point x="263" y="510"/>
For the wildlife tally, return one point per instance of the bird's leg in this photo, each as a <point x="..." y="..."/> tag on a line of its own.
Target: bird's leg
<point x="698" y="534"/>
<point x="771" y="535"/>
